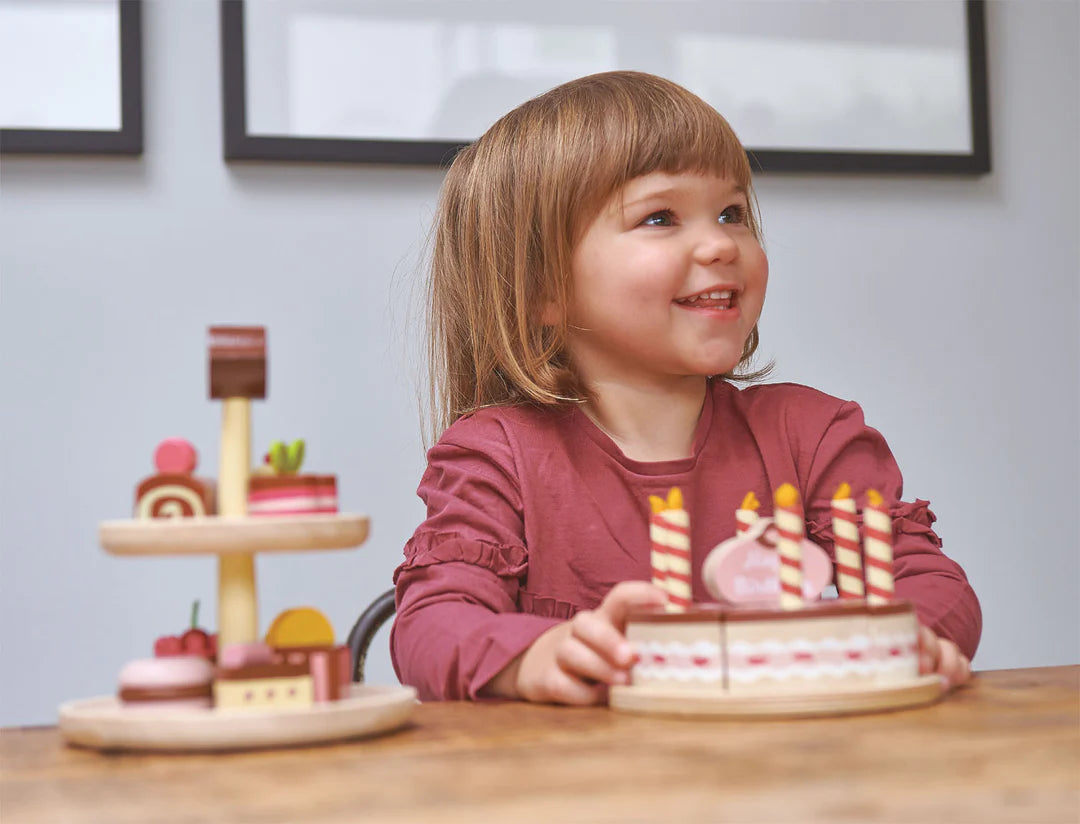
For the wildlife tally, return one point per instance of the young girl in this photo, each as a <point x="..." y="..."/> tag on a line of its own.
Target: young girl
<point x="596" y="283"/>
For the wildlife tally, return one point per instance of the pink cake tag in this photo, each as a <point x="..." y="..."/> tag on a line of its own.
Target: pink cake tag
<point x="746" y="569"/>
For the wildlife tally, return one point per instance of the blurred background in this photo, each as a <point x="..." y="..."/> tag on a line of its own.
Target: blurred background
<point x="948" y="306"/>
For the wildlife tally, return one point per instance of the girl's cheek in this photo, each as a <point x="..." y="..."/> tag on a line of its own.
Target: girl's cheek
<point x="762" y="260"/>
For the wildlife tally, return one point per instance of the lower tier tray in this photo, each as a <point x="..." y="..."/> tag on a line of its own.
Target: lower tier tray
<point x="675" y="702"/>
<point x="103" y="723"/>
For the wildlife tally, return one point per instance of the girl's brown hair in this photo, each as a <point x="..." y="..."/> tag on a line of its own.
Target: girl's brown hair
<point x="512" y="208"/>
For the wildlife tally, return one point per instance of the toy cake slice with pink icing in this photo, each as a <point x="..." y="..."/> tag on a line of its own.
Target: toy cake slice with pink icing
<point x="277" y="488"/>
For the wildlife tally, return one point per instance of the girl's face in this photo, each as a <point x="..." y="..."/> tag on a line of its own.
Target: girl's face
<point x="668" y="282"/>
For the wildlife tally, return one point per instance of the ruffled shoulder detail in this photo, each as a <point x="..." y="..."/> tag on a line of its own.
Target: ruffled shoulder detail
<point x="914" y="519"/>
<point x="907" y="519"/>
<point x="429" y="548"/>
<point x="545" y="606"/>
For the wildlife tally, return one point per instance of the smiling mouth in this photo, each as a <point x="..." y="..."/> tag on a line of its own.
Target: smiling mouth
<point x="720" y="299"/>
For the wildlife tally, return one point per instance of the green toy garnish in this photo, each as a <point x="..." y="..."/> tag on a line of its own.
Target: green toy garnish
<point x="286" y="460"/>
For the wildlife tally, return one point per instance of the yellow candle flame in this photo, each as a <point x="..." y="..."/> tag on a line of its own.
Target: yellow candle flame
<point x="874" y="497"/>
<point x="750" y="502"/>
<point x="842" y="491"/>
<point x="786" y="496"/>
<point x="674" y="501"/>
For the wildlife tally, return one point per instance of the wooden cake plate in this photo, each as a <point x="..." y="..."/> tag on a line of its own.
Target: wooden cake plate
<point x="104" y="724"/>
<point x="682" y="702"/>
<point x="220" y="535"/>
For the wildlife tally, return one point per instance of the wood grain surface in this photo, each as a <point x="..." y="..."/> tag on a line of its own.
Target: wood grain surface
<point x="1004" y="749"/>
<point x="224" y="535"/>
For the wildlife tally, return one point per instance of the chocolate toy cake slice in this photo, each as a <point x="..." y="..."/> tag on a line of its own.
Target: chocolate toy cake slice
<point x="174" y="492"/>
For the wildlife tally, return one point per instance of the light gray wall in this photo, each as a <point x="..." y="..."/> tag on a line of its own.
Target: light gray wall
<point x="947" y="306"/>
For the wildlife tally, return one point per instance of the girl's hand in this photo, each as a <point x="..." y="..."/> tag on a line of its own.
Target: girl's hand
<point x="574" y="662"/>
<point x="942" y="656"/>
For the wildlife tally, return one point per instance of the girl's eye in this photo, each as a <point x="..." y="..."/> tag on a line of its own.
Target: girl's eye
<point x="733" y="214"/>
<point x="662" y="218"/>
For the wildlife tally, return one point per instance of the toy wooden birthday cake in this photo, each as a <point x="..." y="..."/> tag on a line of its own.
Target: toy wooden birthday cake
<point x="768" y="645"/>
<point x="236" y="688"/>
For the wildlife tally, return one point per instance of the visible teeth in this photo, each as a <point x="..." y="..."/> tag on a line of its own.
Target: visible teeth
<point x="723" y="295"/>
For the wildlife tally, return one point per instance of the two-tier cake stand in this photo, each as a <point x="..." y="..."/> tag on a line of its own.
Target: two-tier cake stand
<point x="237" y="364"/>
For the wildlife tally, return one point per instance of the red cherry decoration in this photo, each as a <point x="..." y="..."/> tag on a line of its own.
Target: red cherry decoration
<point x="167" y="646"/>
<point x="193" y="641"/>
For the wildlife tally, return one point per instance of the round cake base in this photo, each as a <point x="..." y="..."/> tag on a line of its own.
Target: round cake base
<point x="103" y="723"/>
<point x="658" y="701"/>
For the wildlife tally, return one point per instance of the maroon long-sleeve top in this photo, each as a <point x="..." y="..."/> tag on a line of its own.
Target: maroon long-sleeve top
<point x="535" y="513"/>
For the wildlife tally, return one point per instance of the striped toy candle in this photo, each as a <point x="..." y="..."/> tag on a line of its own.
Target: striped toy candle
<point x="790" y="529"/>
<point x="669" y="533"/>
<point x="746" y="514"/>
<point x="877" y="541"/>
<point x="849" y="575"/>
<point x="658" y="551"/>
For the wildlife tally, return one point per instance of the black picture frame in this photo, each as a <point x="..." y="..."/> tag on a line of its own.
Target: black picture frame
<point x="240" y="145"/>
<point x="128" y="139"/>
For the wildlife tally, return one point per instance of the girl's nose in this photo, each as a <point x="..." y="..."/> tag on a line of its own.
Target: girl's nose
<point x="716" y="245"/>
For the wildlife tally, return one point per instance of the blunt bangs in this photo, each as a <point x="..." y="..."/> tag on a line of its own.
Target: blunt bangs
<point x="630" y="124"/>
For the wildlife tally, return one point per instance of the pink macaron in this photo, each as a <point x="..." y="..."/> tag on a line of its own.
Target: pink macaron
<point x="176" y="682"/>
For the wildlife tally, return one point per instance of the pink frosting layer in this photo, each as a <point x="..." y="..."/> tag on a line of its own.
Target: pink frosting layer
<point x="179" y="670"/>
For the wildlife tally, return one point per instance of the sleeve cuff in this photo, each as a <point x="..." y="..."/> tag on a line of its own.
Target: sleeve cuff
<point x="503" y="641"/>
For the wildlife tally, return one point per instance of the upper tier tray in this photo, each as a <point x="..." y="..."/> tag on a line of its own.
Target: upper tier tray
<point x="216" y="536"/>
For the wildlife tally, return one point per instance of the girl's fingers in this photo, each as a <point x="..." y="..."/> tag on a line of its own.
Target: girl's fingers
<point x="601" y="630"/>
<point x="942" y="656"/>
<point x="953" y="664"/>
<point x="595" y="632"/>
<point x="626" y="596"/>
<point x="582" y="661"/>
<point x="540" y="675"/>
<point x="948" y="663"/>
<point x="561" y="687"/>
<point x="929" y="650"/>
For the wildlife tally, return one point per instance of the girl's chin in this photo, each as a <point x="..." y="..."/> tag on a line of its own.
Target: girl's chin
<point x="702" y="374"/>
<point x="715" y="366"/>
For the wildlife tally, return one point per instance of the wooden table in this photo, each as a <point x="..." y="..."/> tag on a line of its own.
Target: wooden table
<point x="1006" y="748"/>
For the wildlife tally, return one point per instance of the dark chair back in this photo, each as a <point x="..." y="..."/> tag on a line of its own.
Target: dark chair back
<point x="370" y="621"/>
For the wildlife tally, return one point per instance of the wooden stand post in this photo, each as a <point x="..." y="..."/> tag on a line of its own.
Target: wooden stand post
<point x="238" y="620"/>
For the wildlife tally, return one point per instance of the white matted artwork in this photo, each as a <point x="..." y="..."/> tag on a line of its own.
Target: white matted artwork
<point x="831" y="84"/>
<point x="72" y="76"/>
